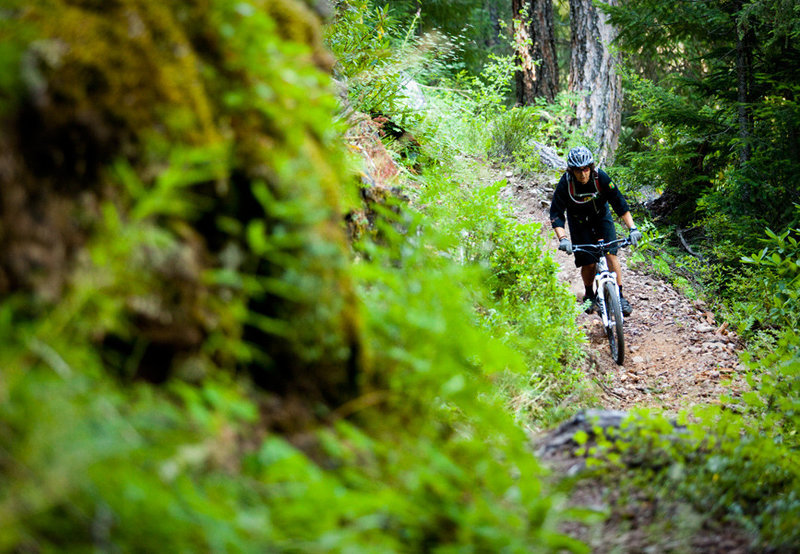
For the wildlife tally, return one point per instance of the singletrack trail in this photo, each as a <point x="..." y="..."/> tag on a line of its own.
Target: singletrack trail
<point x="676" y="353"/>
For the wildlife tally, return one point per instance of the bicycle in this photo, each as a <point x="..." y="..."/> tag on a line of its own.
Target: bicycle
<point x="606" y="292"/>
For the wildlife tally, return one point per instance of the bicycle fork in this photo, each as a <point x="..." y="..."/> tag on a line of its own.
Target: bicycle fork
<point x="601" y="277"/>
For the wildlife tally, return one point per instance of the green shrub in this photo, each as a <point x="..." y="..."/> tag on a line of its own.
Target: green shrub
<point x="510" y="131"/>
<point x="778" y="290"/>
<point x="528" y="309"/>
<point x="360" y="38"/>
<point x="721" y="464"/>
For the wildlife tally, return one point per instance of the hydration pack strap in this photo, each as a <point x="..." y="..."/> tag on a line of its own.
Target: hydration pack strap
<point x="582" y="198"/>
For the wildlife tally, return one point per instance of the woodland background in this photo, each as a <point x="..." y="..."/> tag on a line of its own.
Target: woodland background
<point x="254" y="297"/>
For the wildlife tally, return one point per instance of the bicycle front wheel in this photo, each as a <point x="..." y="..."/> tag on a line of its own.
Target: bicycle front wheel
<point x="614" y="328"/>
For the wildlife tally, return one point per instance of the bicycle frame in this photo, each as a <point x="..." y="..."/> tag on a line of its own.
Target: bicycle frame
<point x="606" y="292"/>
<point x="602" y="276"/>
<point x="611" y="314"/>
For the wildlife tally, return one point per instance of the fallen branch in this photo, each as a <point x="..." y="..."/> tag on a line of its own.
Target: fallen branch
<point x="592" y="423"/>
<point x="687" y="247"/>
<point x="549" y="156"/>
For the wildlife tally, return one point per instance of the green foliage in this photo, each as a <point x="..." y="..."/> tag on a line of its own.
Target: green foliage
<point x="514" y="133"/>
<point x="470" y="105"/>
<point x="360" y="39"/>
<point x="435" y="363"/>
<point x="488" y="92"/>
<point x="471" y="24"/>
<point x="776" y="298"/>
<point x="231" y="235"/>
<point x="528" y="309"/>
<point x="721" y="464"/>
<point x="461" y="108"/>
<point x="775" y="398"/>
<point x="511" y="131"/>
<point x="727" y="164"/>
<point x="12" y="36"/>
<point x="656" y="255"/>
<point x="672" y="155"/>
<point x="378" y="57"/>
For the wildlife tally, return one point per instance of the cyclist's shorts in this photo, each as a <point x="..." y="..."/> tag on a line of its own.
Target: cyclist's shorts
<point x="589" y="231"/>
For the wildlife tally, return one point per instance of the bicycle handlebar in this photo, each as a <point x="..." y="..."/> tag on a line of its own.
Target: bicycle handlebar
<point x="601" y="246"/>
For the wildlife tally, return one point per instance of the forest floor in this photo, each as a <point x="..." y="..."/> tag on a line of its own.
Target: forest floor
<point x="677" y="356"/>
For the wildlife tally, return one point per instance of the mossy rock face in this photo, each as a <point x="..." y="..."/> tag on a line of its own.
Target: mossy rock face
<point x="133" y="81"/>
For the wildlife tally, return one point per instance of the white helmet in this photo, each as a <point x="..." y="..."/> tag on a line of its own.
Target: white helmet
<point x="580" y="156"/>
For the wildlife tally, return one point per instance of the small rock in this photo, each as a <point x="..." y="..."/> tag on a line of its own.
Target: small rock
<point x="638" y="360"/>
<point x="703" y="328"/>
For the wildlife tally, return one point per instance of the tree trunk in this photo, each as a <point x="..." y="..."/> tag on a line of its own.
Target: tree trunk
<point x="744" y="72"/>
<point x="592" y="73"/>
<point x="497" y="27"/>
<point x="535" y="44"/>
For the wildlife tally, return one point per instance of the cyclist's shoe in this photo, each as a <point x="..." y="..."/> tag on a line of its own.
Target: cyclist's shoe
<point x="625" y="306"/>
<point x="590" y="307"/>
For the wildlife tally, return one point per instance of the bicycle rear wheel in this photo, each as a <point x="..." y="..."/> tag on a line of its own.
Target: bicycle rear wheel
<point x="614" y="329"/>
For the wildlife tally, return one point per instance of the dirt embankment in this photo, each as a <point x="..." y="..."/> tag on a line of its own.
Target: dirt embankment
<point x="677" y="355"/>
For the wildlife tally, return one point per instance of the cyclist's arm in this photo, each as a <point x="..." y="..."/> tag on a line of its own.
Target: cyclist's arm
<point x="613" y="194"/>
<point x="627" y="219"/>
<point x="617" y="200"/>
<point x="557" y="209"/>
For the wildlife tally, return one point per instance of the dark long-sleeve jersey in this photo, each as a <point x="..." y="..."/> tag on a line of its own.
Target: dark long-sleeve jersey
<point x="585" y="203"/>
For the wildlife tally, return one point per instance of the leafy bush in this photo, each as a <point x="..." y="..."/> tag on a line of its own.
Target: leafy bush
<point x="529" y="310"/>
<point x="722" y="464"/>
<point x="378" y="60"/>
<point x="510" y="131"/>
<point x="515" y="132"/>
<point x="778" y="293"/>
<point x="361" y="40"/>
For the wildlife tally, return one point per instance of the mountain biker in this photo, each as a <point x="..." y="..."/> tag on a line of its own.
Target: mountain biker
<point x="585" y="193"/>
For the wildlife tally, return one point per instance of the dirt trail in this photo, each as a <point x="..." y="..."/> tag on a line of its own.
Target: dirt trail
<point x="677" y="354"/>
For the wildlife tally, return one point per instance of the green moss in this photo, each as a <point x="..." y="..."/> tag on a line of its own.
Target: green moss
<point x="143" y="80"/>
<point x="130" y="63"/>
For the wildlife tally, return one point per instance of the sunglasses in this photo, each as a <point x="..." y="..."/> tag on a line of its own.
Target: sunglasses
<point x="582" y="169"/>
